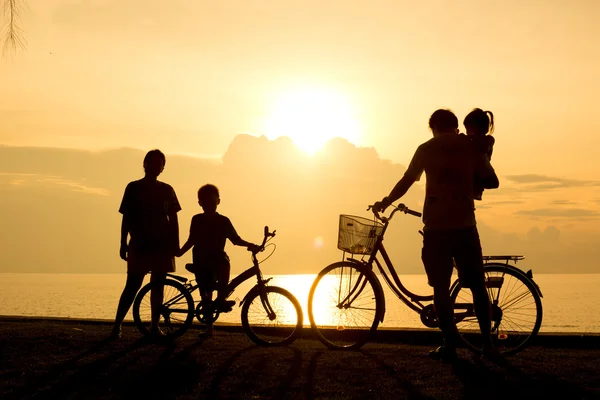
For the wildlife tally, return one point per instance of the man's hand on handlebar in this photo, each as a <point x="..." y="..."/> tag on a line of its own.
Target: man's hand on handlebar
<point x="380" y="206"/>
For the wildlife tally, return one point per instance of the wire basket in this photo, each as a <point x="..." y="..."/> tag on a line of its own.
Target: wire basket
<point x="357" y="235"/>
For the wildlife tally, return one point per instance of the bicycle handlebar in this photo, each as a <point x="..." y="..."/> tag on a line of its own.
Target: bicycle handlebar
<point x="266" y="237"/>
<point x="400" y="207"/>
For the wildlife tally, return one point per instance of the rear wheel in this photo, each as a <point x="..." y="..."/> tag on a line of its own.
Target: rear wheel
<point x="176" y="311"/>
<point x="271" y="320"/>
<point x="516" y="310"/>
<point x="344" y="305"/>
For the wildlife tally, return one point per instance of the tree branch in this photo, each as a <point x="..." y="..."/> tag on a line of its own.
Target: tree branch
<point x="12" y="33"/>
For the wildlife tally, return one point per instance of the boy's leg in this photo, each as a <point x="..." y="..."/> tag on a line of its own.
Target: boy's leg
<point x="205" y="287"/>
<point x="132" y="286"/>
<point x="223" y="272"/>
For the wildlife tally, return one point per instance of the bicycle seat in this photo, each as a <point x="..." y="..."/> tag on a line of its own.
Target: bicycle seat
<point x="191" y="267"/>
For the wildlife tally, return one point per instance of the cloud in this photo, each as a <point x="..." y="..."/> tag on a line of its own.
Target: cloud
<point x="262" y="182"/>
<point x="562" y="202"/>
<point x="66" y="202"/>
<point x="535" y="182"/>
<point x="560" y="212"/>
<point x="40" y="180"/>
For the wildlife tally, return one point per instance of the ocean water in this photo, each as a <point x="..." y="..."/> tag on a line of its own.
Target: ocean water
<point x="571" y="303"/>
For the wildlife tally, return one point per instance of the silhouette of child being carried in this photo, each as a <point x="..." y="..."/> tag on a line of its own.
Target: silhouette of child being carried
<point x="479" y="125"/>
<point x="208" y="233"/>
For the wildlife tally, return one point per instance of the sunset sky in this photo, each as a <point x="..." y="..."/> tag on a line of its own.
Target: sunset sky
<point x="188" y="77"/>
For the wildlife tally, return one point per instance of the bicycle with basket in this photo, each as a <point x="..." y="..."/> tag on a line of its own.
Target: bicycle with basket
<point x="346" y="302"/>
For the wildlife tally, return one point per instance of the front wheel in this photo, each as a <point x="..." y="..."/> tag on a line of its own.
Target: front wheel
<point x="271" y="316"/>
<point x="345" y="305"/>
<point x="516" y="310"/>
<point x="175" y="312"/>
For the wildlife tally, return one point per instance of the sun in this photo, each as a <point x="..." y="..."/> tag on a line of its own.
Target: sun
<point x="311" y="117"/>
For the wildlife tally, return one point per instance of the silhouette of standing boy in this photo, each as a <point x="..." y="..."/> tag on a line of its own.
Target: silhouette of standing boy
<point x="149" y="209"/>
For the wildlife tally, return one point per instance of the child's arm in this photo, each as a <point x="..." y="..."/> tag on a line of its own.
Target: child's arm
<point x="186" y="246"/>
<point x="238" y="241"/>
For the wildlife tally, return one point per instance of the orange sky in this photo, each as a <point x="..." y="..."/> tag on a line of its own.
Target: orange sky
<point x="189" y="77"/>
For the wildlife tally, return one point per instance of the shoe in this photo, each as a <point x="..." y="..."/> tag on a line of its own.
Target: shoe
<point x="207" y="333"/>
<point x="491" y="353"/>
<point x="446" y="354"/>
<point x="224" y="306"/>
<point x="116" y="332"/>
<point x="158" y="333"/>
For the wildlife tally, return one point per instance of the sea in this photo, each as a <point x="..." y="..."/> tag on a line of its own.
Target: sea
<point x="571" y="302"/>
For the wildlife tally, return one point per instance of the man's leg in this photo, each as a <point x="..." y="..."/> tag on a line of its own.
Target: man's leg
<point x="132" y="286"/>
<point x="445" y="315"/>
<point x="438" y="263"/>
<point x="469" y="262"/>
<point x="156" y="299"/>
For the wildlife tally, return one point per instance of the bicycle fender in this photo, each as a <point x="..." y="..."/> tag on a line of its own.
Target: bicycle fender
<point x="527" y="275"/>
<point x="250" y="292"/>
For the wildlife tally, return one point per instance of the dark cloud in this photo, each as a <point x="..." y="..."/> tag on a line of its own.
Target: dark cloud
<point x="535" y="182"/>
<point x="560" y="212"/>
<point x="562" y="202"/>
<point x="501" y="203"/>
<point x="65" y="202"/>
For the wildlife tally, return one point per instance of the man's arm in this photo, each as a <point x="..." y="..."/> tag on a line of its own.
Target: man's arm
<point x="412" y="174"/>
<point x="400" y="189"/>
<point x="174" y="222"/>
<point x="124" y="250"/>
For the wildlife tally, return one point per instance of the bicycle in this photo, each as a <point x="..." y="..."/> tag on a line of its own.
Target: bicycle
<point x="346" y="301"/>
<point x="270" y="315"/>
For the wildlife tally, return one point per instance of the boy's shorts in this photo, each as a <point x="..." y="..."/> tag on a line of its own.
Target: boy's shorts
<point x="442" y="247"/>
<point x="207" y="269"/>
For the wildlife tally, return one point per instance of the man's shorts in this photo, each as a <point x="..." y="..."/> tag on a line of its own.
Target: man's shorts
<point x="442" y="247"/>
<point x="139" y="262"/>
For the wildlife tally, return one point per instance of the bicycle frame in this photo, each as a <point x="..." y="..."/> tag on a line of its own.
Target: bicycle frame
<point x="412" y="300"/>
<point x="235" y="282"/>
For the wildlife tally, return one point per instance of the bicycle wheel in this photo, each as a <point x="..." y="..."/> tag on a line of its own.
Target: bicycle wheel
<point x="516" y="310"/>
<point x="176" y="311"/>
<point x="344" y="305"/>
<point x="274" y="321"/>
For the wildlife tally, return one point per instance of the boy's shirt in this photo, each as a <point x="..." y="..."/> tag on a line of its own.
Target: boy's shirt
<point x="148" y="205"/>
<point x="451" y="165"/>
<point x="209" y="233"/>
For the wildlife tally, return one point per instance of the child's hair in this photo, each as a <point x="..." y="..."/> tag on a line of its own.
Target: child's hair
<point x="443" y="120"/>
<point x="207" y="190"/>
<point x="481" y="121"/>
<point x="155" y="153"/>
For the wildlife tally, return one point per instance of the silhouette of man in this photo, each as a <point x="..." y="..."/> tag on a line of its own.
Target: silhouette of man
<point x="451" y="164"/>
<point x="149" y="209"/>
